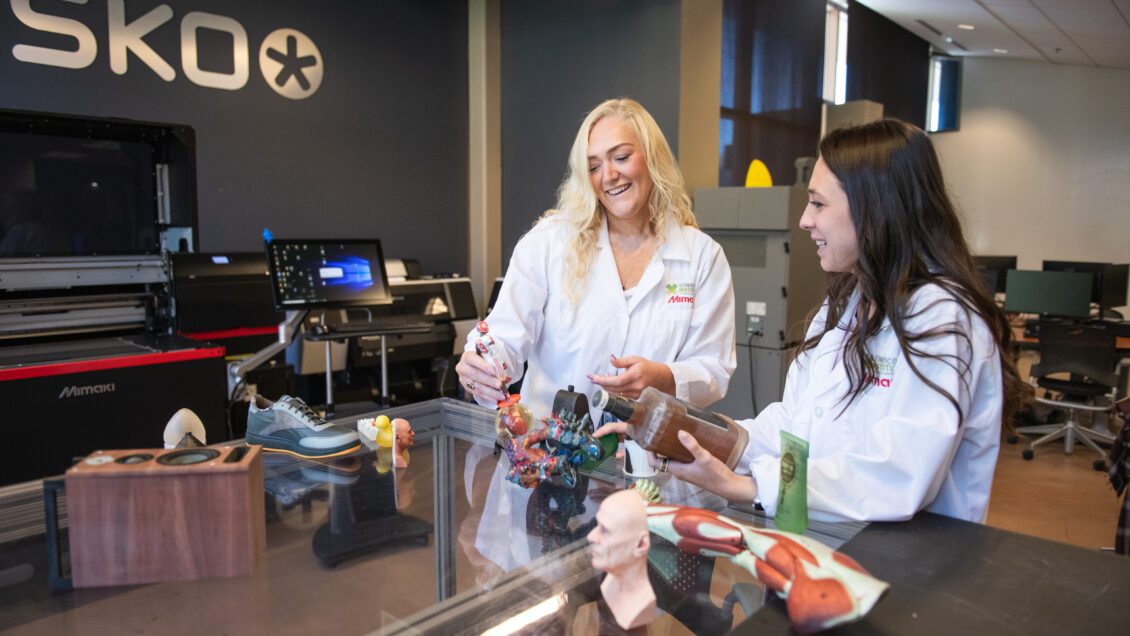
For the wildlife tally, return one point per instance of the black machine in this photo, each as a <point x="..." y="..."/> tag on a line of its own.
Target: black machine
<point x="89" y="359"/>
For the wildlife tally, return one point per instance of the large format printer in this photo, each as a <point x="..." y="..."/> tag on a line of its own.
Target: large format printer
<point x="88" y="359"/>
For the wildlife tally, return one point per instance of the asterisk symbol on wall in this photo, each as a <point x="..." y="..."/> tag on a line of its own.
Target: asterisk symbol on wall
<point x="291" y="63"/>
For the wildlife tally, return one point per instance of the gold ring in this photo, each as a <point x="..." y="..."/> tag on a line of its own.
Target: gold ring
<point x="663" y="464"/>
<point x="471" y="385"/>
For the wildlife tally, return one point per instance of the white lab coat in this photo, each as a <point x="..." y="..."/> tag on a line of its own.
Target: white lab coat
<point x="897" y="448"/>
<point x="680" y="313"/>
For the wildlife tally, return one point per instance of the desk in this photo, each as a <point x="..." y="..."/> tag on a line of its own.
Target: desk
<point x="1122" y="343"/>
<point x="954" y="577"/>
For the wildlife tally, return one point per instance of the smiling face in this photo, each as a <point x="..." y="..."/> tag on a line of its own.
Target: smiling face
<point x="618" y="169"/>
<point x="827" y="218"/>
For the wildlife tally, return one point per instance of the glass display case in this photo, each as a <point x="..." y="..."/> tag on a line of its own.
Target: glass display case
<point x="446" y="545"/>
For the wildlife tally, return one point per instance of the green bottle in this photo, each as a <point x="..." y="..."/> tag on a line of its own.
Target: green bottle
<point x="792" y="497"/>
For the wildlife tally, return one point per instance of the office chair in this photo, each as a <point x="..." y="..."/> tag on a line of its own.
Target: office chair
<point x="1089" y="355"/>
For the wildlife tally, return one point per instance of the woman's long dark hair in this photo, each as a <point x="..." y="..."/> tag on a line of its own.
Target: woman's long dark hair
<point x="909" y="235"/>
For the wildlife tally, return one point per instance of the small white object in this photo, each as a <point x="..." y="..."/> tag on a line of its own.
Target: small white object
<point x="755" y="308"/>
<point x="367" y="428"/>
<point x="184" y="421"/>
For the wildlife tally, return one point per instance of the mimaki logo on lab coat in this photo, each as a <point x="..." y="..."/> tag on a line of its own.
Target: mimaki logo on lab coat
<point x="680" y="293"/>
<point x="884" y="371"/>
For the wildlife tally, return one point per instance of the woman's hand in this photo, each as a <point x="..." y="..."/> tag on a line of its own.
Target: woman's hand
<point x="619" y="428"/>
<point x="639" y="373"/>
<point x="477" y="377"/>
<point x="708" y="472"/>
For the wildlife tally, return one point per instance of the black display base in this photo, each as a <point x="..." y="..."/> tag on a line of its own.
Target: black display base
<point x="369" y="536"/>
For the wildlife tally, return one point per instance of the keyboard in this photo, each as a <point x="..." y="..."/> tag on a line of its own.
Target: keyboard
<point x="383" y="323"/>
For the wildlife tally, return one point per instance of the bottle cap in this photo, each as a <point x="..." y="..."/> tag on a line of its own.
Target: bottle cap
<point x="600" y="399"/>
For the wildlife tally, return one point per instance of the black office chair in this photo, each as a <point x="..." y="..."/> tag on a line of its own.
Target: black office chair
<point x="1089" y="355"/>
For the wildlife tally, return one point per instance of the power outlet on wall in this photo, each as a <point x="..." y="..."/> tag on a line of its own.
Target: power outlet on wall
<point x="753" y="326"/>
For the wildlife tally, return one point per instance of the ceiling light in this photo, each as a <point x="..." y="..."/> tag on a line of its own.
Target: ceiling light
<point x="966" y="27"/>
<point x="1002" y="51"/>
<point x="948" y="40"/>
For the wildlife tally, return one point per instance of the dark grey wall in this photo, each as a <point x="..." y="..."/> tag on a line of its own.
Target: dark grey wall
<point x="559" y="59"/>
<point x="380" y="150"/>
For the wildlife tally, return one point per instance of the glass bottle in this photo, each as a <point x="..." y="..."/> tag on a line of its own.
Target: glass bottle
<point x="655" y="419"/>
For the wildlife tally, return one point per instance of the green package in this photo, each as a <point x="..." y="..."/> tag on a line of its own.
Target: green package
<point x="792" y="496"/>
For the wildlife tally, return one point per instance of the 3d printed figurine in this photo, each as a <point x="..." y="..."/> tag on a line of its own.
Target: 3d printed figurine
<point x="377" y="430"/>
<point x="822" y="588"/>
<point x="571" y="438"/>
<point x="531" y="464"/>
<point x="403" y="439"/>
<point x="619" y="544"/>
<point x="185" y="430"/>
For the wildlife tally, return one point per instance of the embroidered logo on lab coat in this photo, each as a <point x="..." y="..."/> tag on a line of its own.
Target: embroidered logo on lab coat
<point x="884" y="371"/>
<point x="680" y="293"/>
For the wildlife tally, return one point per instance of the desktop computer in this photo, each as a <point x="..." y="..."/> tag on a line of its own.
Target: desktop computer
<point x="1108" y="281"/>
<point x="1064" y="295"/>
<point x="994" y="271"/>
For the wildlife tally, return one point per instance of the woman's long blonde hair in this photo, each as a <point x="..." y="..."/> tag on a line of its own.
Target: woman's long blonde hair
<point x="577" y="203"/>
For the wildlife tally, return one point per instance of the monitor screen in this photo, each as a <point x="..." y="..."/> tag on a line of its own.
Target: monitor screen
<point x="323" y="273"/>
<point x="1052" y="293"/>
<point x="76" y="196"/>
<point x="1115" y="281"/>
<point x="1108" y="281"/>
<point x="994" y="270"/>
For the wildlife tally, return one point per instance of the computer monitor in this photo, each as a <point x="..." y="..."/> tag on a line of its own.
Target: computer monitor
<point x="994" y="270"/>
<point x="1108" y="281"/>
<point x="325" y="274"/>
<point x="1066" y="294"/>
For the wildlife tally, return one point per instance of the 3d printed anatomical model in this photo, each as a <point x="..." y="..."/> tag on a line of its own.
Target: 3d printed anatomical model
<point x="403" y="438"/>
<point x="619" y="544"/>
<point x="531" y="464"/>
<point x="822" y="588"/>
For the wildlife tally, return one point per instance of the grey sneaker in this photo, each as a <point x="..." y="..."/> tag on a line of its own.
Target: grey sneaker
<point x="289" y="426"/>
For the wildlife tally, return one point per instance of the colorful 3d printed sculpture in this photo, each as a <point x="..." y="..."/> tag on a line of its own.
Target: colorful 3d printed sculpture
<point x="531" y="464"/>
<point x="822" y="588"/>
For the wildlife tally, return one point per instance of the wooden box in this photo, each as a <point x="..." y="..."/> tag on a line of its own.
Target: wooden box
<point x="141" y="516"/>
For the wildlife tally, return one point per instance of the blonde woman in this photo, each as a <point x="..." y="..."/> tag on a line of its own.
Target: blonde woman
<point x="616" y="286"/>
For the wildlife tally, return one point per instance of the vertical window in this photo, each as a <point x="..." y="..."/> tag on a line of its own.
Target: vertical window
<point x="945" y="94"/>
<point x="835" y="52"/>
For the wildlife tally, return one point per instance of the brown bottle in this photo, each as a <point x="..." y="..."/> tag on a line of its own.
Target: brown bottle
<point x="655" y="419"/>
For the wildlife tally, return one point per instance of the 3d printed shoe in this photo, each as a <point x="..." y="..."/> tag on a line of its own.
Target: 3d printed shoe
<point x="289" y="426"/>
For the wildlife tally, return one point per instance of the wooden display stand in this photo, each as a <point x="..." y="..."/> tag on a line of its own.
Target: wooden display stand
<point x="141" y="516"/>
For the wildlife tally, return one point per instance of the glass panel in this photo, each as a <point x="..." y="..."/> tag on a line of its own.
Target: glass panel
<point x="446" y="545"/>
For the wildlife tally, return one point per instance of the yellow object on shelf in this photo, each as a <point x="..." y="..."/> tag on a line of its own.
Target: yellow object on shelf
<point x="758" y="175"/>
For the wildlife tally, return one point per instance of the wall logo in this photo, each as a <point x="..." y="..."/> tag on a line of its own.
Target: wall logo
<point x="288" y="59"/>
<point x="291" y="63"/>
<point x="680" y="293"/>
<point x="83" y="391"/>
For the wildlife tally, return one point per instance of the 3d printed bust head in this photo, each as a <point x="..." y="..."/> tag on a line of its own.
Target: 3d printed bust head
<point x="620" y="543"/>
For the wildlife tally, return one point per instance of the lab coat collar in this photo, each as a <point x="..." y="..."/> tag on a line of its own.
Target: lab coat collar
<point x="674" y="245"/>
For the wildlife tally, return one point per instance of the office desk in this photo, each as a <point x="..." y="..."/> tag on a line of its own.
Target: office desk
<point x="1121" y="343"/>
<point x="953" y="577"/>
